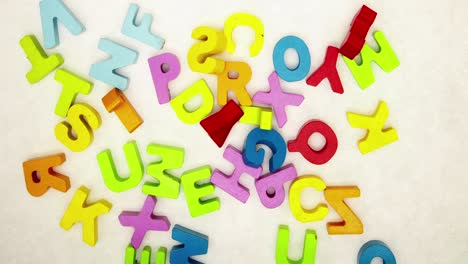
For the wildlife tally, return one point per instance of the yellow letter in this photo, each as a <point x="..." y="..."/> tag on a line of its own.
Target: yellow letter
<point x="377" y="136"/>
<point x="83" y="128"/>
<point x="78" y="211"/>
<point x="213" y="42"/>
<point x="297" y="186"/>
<point x="195" y="116"/>
<point x="242" y="19"/>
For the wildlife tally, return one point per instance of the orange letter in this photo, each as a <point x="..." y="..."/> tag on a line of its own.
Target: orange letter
<point x="115" y="101"/>
<point x="40" y="175"/>
<point x="236" y="84"/>
<point x="351" y="223"/>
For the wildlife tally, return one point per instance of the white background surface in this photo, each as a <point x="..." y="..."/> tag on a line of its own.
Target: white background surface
<point x="413" y="192"/>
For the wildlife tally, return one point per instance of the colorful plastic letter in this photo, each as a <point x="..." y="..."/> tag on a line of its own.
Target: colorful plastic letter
<point x="82" y="118"/>
<point x="231" y="184"/>
<point x="196" y="193"/>
<point x="328" y="71"/>
<point x="110" y="175"/>
<point x="201" y="88"/>
<point x="193" y="244"/>
<point x="272" y="139"/>
<point x="257" y="116"/>
<point x="358" y="32"/>
<point x="39" y="175"/>
<point x="385" y="58"/>
<point x="145" y="255"/>
<point x="166" y="185"/>
<point x="199" y="56"/>
<point x="278" y="99"/>
<point x="130" y="255"/>
<point x="106" y="70"/>
<point x="301" y="143"/>
<point x="377" y="136"/>
<point x="303" y="65"/>
<point x="53" y="11"/>
<point x="79" y="211"/>
<point x="219" y="124"/>
<point x="300" y="213"/>
<point x="351" y="223"/>
<point x="243" y="19"/>
<point x="270" y="187"/>
<point x="116" y="101"/>
<point x="41" y="64"/>
<point x="282" y="245"/>
<point x="142" y="31"/>
<point x="144" y="221"/>
<point x="161" y="76"/>
<point x="237" y="85"/>
<point x="375" y="249"/>
<point x="161" y="256"/>
<point x="71" y="86"/>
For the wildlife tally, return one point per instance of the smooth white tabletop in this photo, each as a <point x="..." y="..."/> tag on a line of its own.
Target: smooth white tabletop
<point x="413" y="192"/>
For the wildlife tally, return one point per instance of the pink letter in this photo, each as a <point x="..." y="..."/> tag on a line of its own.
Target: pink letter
<point x="270" y="187"/>
<point x="144" y="221"/>
<point x="278" y="99"/>
<point x="231" y="184"/>
<point x="162" y="76"/>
